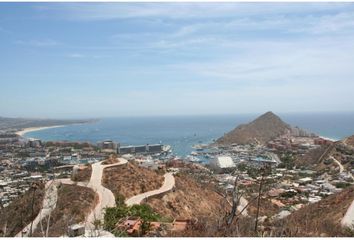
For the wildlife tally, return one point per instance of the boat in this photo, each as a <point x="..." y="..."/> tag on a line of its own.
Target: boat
<point x="194" y="159"/>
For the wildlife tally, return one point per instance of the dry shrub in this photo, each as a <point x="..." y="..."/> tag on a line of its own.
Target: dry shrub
<point x="129" y="180"/>
<point x="73" y="205"/>
<point x="19" y="213"/>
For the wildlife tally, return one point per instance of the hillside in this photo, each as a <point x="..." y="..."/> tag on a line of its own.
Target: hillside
<point x="321" y="218"/>
<point x="349" y="141"/>
<point x="19" y="213"/>
<point x="130" y="180"/>
<point x="265" y="128"/>
<point x="74" y="204"/>
<point x="189" y="200"/>
<point x="321" y="158"/>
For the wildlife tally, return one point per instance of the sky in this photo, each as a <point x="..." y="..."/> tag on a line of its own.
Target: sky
<point x="75" y="60"/>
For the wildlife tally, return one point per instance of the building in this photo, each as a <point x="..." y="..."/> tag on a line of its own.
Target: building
<point x="154" y="148"/>
<point x="34" y="143"/>
<point x="222" y="164"/>
<point x="76" y="230"/>
<point x="109" y="145"/>
<point x="322" y="141"/>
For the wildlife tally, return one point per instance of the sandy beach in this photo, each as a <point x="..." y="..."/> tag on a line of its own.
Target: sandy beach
<point x="32" y="129"/>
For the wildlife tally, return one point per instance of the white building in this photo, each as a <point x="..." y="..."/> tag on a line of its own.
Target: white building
<point x="222" y="164"/>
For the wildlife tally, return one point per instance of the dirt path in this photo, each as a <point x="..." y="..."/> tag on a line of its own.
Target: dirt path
<point x="105" y="196"/>
<point x="242" y="205"/>
<point x="348" y="219"/>
<point x="49" y="203"/>
<point x="167" y="186"/>
<point x="341" y="168"/>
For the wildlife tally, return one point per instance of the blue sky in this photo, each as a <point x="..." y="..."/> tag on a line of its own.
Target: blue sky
<point x="64" y="60"/>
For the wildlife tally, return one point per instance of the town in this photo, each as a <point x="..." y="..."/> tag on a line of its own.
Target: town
<point x="294" y="169"/>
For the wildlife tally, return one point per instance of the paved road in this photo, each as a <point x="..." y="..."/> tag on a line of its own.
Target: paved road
<point x="105" y="196"/>
<point x="49" y="203"/>
<point x="168" y="185"/>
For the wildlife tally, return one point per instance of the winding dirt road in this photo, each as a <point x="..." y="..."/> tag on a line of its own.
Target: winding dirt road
<point x="105" y="196"/>
<point x="167" y="186"/>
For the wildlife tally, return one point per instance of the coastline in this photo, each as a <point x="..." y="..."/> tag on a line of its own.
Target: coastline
<point x="330" y="139"/>
<point x="22" y="132"/>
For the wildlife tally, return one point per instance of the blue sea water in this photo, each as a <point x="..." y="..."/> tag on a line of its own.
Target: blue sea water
<point x="182" y="132"/>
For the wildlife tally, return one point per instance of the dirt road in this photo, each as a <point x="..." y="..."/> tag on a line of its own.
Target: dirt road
<point x="348" y="219"/>
<point x="168" y="185"/>
<point x="105" y="196"/>
<point x="49" y="203"/>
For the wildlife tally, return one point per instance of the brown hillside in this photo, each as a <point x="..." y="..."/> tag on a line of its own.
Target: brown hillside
<point x="349" y="141"/>
<point x="73" y="205"/>
<point x="320" y="158"/>
<point x="129" y="180"/>
<point x="189" y="200"/>
<point x="321" y="218"/>
<point x="19" y="213"/>
<point x="311" y="157"/>
<point x="82" y="174"/>
<point x="263" y="129"/>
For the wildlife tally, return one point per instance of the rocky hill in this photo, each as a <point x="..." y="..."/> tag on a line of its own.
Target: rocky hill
<point x="265" y="128"/>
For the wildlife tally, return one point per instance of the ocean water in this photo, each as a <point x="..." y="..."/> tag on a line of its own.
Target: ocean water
<point x="183" y="132"/>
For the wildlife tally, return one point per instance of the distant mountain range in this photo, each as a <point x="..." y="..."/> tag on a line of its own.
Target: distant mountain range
<point x="20" y="123"/>
<point x="263" y="129"/>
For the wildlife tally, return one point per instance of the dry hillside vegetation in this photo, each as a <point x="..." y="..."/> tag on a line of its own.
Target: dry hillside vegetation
<point x="321" y="218"/>
<point x="311" y="157"/>
<point x="266" y="208"/>
<point x="19" y="213"/>
<point x="350" y="141"/>
<point x="130" y="180"/>
<point x="82" y="174"/>
<point x="339" y="151"/>
<point x="263" y="129"/>
<point x="189" y="200"/>
<point x="73" y="205"/>
<point x="111" y="160"/>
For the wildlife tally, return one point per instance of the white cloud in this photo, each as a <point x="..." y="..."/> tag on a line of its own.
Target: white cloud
<point x="75" y="55"/>
<point x="39" y="43"/>
<point x="107" y="11"/>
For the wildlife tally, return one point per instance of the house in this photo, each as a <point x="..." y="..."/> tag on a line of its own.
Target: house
<point x="76" y="230"/>
<point x="275" y="192"/>
<point x="222" y="164"/>
<point x="132" y="226"/>
<point x="305" y="180"/>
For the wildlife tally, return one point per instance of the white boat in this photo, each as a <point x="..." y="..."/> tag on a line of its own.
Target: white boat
<point x="191" y="158"/>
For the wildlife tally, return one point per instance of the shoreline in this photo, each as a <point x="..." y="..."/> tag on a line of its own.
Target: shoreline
<point x="24" y="131"/>
<point x="330" y="139"/>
